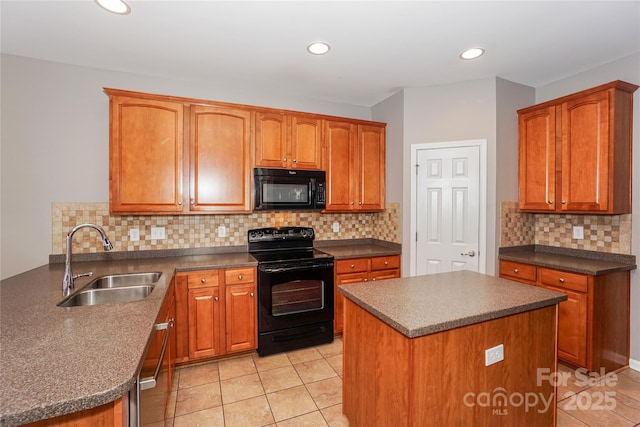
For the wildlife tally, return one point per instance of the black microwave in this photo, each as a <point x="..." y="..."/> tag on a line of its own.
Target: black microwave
<point x="287" y="189"/>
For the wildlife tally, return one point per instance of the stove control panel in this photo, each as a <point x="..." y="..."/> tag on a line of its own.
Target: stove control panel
<point x="280" y="233"/>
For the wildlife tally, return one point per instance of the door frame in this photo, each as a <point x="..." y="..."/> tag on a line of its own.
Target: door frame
<point x="482" y="217"/>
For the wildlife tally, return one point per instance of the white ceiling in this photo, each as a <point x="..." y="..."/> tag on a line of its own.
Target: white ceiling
<point x="378" y="47"/>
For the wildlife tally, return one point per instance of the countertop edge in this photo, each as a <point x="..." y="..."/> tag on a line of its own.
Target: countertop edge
<point x="445" y="326"/>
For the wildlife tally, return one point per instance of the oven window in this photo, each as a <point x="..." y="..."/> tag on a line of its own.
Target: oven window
<point x="285" y="193"/>
<point x="297" y="296"/>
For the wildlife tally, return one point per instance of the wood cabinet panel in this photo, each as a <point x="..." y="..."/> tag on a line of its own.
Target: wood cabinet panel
<point x="564" y="279"/>
<point x="385" y="262"/>
<point x="220" y="153"/>
<point x="575" y="152"/>
<point x="271" y="140"/>
<point x="352" y="265"/>
<point x="241" y="310"/>
<point x="371" y="167"/>
<point x="572" y="327"/>
<point x="340" y="146"/>
<point x="146" y="155"/>
<point x="205" y="322"/>
<point x="306" y="142"/>
<point x="203" y="279"/>
<point x="525" y="273"/>
<point x="234" y="276"/>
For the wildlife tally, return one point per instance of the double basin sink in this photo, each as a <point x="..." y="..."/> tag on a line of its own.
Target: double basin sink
<point x="113" y="288"/>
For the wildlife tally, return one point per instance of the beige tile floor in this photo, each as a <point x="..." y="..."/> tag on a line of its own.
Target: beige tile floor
<point x="304" y="388"/>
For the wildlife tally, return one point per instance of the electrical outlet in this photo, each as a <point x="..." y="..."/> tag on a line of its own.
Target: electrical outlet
<point x="134" y="234"/>
<point x="336" y="227"/>
<point x="578" y="232"/>
<point x="158" y="233"/>
<point x="494" y="355"/>
<point x="222" y="231"/>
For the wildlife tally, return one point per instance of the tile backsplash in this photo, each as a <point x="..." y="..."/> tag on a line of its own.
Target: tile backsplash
<point x="604" y="233"/>
<point x="198" y="231"/>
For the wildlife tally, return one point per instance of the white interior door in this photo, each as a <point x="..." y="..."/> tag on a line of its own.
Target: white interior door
<point x="448" y="199"/>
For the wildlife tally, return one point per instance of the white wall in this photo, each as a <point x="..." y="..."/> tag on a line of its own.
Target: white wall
<point x="391" y="111"/>
<point x="461" y="111"/>
<point x="627" y="69"/>
<point x="55" y="141"/>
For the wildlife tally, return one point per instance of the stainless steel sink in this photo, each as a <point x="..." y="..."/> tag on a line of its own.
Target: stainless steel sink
<point x="120" y="280"/>
<point x="113" y="288"/>
<point x="106" y="296"/>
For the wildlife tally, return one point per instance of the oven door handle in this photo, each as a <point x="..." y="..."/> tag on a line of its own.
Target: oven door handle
<point x="150" y="382"/>
<point x="267" y="269"/>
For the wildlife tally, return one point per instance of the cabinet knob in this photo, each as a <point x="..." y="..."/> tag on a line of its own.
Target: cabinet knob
<point x="550" y="202"/>
<point x="374" y="279"/>
<point x="353" y="266"/>
<point x="179" y="203"/>
<point x="251" y="294"/>
<point x="515" y="270"/>
<point x="215" y="298"/>
<point x="203" y="280"/>
<point x="366" y="280"/>
<point x="192" y="202"/>
<point x="360" y="203"/>
<point x="561" y="280"/>
<point x="564" y="202"/>
<point x="284" y="160"/>
<point x="386" y="263"/>
<point x="295" y="160"/>
<point x="239" y="276"/>
<point x="351" y="203"/>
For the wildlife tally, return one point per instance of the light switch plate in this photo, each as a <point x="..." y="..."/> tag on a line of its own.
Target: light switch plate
<point x="134" y="234"/>
<point x="578" y="232"/>
<point x="336" y="227"/>
<point x="222" y="231"/>
<point x="158" y="233"/>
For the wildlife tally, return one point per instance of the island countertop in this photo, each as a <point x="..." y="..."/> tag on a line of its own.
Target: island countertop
<point x="422" y="305"/>
<point x="56" y="360"/>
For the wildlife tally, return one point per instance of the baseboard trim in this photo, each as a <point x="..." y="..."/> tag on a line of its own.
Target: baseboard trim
<point x="634" y="364"/>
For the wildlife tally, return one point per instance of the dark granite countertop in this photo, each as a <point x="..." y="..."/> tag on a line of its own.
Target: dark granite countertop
<point x="422" y="305"/>
<point x="361" y="248"/>
<point x="573" y="260"/>
<point x="57" y="360"/>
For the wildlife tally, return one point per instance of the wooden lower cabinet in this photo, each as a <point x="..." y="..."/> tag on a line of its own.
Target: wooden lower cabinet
<point x="593" y="324"/>
<point x="215" y="312"/>
<point x="108" y="415"/>
<point x="355" y="270"/>
<point x="441" y="379"/>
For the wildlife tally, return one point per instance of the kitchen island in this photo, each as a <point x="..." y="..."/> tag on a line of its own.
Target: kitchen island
<point x="415" y="351"/>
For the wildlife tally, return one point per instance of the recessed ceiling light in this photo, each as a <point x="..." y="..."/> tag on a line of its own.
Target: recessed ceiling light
<point x="318" y="48"/>
<point x="472" y="53"/>
<point x="116" y="6"/>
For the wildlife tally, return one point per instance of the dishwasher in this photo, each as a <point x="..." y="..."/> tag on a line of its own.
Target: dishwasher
<point x="148" y="400"/>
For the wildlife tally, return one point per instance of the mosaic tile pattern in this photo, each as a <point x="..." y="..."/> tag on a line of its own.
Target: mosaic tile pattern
<point x="197" y="231"/>
<point x="604" y="233"/>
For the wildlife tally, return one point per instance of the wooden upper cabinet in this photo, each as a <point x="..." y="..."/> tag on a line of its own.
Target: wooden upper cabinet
<point x="537" y="159"/>
<point x="288" y="141"/>
<point x="575" y="152"/>
<point x="220" y="153"/>
<point x="146" y="155"/>
<point x="355" y="166"/>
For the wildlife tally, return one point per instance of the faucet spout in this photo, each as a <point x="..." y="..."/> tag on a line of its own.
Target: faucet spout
<point x="69" y="277"/>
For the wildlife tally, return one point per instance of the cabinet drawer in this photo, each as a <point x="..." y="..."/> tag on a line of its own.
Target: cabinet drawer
<point x="200" y="279"/>
<point x="234" y="276"/>
<point x="518" y="271"/>
<point x="563" y="279"/>
<point x="352" y="265"/>
<point x="385" y="262"/>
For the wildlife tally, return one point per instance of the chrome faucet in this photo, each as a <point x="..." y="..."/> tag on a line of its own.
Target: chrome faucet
<point x="69" y="277"/>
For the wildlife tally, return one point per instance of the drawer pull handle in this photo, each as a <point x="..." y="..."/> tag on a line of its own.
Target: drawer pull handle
<point x="515" y="270"/>
<point x="203" y="280"/>
<point x="239" y="276"/>
<point x="564" y="202"/>
<point x="550" y="202"/>
<point x="374" y="279"/>
<point x="561" y="280"/>
<point x="215" y="298"/>
<point x="386" y="263"/>
<point x="251" y="294"/>
<point x="353" y="266"/>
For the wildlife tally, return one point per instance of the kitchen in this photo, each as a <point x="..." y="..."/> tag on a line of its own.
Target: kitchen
<point x="35" y="87"/>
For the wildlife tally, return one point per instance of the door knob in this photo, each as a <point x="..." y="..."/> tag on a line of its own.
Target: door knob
<point x="471" y="253"/>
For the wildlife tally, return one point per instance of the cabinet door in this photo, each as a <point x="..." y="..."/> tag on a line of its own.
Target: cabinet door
<point x="241" y="323"/>
<point x="204" y="322"/>
<point x="572" y="327"/>
<point x="220" y="158"/>
<point x="145" y="156"/>
<point x="371" y="168"/>
<point x="340" y="143"/>
<point x="537" y="159"/>
<point x="271" y="140"/>
<point x="338" y="299"/>
<point x="586" y="153"/>
<point x="306" y="143"/>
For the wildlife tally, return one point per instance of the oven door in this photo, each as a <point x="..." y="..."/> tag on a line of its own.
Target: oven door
<point x="295" y="303"/>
